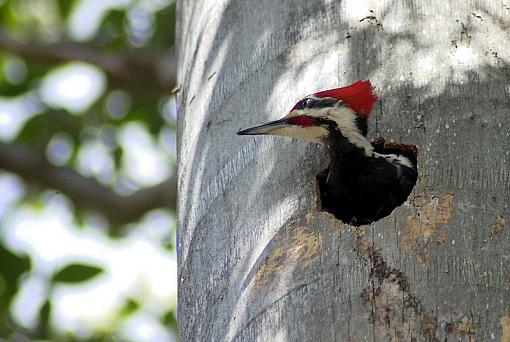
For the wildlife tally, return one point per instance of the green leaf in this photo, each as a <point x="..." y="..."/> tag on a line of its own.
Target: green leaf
<point x="44" y="318"/>
<point x="13" y="266"/>
<point x="76" y="273"/>
<point x="111" y="32"/>
<point x="164" y="34"/>
<point x="130" y="307"/>
<point x="39" y="129"/>
<point x="169" y="320"/>
<point x="66" y="7"/>
<point x="118" y="152"/>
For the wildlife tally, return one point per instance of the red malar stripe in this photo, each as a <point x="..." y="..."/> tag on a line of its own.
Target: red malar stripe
<point x="302" y="120"/>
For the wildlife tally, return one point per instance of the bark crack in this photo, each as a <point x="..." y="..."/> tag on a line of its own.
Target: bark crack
<point x="388" y="299"/>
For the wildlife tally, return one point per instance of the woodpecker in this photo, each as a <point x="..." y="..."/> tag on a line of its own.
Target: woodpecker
<point x="365" y="181"/>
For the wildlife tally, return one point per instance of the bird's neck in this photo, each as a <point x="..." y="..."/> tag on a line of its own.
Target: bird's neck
<point x="341" y="149"/>
<point x="343" y="163"/>
<point x="346" y="157"/>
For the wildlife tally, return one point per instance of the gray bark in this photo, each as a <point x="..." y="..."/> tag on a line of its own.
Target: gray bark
<point x="257" y="259"/>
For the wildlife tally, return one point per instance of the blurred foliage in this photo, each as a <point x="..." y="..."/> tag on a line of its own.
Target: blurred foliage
<point x="76" y="273"/>
<point x="131" y="26"/>
<point x="13" y="266"/>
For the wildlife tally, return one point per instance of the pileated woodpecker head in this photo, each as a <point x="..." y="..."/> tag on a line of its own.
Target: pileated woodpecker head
<point x="322" y="116"/>
<point x="365" y="182"/>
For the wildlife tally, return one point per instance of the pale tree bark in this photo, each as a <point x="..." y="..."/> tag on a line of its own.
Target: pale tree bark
<point x="257" y="259"/>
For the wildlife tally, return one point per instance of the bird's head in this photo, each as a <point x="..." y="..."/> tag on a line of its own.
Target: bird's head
<point x="342" y="110"/>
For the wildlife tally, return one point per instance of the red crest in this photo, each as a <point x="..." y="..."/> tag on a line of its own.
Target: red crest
<point x="359" y="96"/>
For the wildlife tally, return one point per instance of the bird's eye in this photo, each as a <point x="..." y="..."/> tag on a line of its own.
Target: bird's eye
<point x="304" y="103"/>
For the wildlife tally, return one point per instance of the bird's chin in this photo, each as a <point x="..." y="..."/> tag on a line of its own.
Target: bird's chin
<point x="314" y="135"/>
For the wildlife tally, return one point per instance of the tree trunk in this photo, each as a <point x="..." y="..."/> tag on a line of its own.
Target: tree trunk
<point x="258" y="259"/>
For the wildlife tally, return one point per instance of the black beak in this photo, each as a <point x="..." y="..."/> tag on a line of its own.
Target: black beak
<point x="266" y="128"/>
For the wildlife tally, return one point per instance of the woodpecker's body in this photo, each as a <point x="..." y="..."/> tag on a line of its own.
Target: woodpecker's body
<point x="360" y="189"/>
<point x="365" y="182"/>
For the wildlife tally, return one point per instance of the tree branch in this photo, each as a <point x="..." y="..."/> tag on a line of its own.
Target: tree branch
<point x="87" y="193"/>
<point x="133" y="69"/>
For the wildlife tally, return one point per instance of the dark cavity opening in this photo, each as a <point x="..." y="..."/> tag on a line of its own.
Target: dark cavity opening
<point x="372" y="189"/>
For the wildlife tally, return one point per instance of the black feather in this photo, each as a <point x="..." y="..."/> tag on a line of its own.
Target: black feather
<point x="361" y="189"/>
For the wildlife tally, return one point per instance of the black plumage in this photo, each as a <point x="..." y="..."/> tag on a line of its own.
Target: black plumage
<point x="365" y="182"/>
<point x="360" y="188"/>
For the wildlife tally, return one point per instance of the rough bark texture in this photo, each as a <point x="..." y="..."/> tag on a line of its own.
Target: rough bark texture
<point x="257" y="260"/>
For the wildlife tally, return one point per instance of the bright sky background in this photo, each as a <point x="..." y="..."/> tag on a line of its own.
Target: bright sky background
<point x="137" y="266"/>
<point x="74" y="86"/>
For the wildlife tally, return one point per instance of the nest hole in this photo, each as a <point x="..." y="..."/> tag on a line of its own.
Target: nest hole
<point x="356" y="219"/>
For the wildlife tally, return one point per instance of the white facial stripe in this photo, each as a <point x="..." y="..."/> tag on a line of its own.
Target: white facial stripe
<point x="345" y="119"/>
